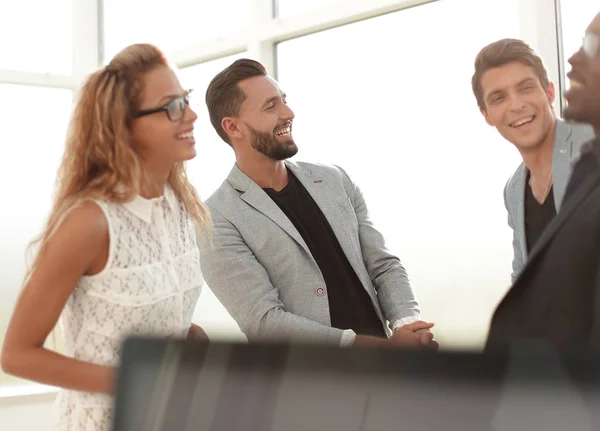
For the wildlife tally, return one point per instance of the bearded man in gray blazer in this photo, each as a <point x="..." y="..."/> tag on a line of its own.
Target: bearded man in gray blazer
<point x="293" y="255"/>
<point x="515" y="95"/>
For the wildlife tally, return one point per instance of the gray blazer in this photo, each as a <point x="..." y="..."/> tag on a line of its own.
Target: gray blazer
<point x="263" y="273"/>
<point x="567" y="142"/>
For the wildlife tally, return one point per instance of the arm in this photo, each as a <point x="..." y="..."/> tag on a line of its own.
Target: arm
<point x="197" y="333"/>
<point x="410" y="335"/>
<point x="79" y="246"/>
<point x="389" y="278"/>
<point x="242" y="285"/>
<point x="387" y="273"/>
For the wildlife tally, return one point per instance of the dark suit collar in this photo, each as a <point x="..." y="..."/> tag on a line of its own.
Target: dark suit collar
<point x="592" y="145"/>
<point x="569" y="207"/>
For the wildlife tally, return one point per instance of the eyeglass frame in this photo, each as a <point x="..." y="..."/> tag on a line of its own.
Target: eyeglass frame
<point x="186" y="103"/>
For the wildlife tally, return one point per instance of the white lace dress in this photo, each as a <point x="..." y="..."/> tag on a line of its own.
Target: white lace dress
<point x="150" y="286"/>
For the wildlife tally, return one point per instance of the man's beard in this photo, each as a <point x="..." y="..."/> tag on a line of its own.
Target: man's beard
<point x="267" y="144"/>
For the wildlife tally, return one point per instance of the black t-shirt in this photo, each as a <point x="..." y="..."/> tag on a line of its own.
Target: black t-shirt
<point x="537" y="216"/>
<point x="350" y="306"/>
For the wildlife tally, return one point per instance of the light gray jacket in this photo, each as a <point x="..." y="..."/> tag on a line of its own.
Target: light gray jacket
<point x="567" y="142"/>
<point x="263" y="273"/>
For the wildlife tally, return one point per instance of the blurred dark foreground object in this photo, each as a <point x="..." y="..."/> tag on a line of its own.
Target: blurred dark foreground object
<point x="185" y="385"/>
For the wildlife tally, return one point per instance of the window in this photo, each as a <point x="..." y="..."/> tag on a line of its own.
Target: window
<point x="576" y="15"/>
<point x="33" y="42"/>
<point x="287" y="8"/>
<point x="215" y="158"/>
<point x="389" y="99"/>
<point x="394" y="107"/>
<point x="179" y="25"/>
<point x="206" y="172"/>
<point x="33" y="142"/>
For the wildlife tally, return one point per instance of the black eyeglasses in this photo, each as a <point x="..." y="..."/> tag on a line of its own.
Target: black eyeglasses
<point x="175" y="109"/>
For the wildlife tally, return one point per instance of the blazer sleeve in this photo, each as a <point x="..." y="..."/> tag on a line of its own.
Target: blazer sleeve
<point x="518" y="261"/>
<point x="394" y="291"/>
<point x="242" y="285"/>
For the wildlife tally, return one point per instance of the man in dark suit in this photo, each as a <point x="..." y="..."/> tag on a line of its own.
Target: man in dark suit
<point x="556" y="298"/>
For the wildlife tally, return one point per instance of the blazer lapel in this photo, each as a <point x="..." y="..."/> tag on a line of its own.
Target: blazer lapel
<point x="561" y="161"/>
<point x="256" y="197"/>
<point x="519" y="208"/>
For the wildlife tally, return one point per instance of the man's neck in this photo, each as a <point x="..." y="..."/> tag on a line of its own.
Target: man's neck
<point x="539" y="160"/>
<point x="266" y="172"/>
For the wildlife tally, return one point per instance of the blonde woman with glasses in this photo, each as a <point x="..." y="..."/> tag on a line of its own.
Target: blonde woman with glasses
<point x="118" y="255"/>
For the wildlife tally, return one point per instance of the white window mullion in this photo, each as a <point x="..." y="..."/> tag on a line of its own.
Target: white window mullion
<point x="36" y="79"/>
<point x="210" y="50"/>
<point x="265" y="31"/>
<point x="86" y="40"/>
<point x="259" y="48"/>
<point x="539" y="28"/>
<point x="349" y="11"/>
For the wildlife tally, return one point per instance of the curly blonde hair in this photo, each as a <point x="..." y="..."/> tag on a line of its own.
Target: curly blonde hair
<point x="99" y="160"/>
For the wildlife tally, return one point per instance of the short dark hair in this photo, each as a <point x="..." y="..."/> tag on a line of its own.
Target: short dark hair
<point x="224" y="97"/>
<point x="500" y="53"/>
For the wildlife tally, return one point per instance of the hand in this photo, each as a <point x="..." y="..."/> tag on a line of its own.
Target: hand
<point x="414" y="335"/>
<point x="427" y="340"/>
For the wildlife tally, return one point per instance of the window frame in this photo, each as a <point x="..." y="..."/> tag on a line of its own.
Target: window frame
<point x="540" y="23"/>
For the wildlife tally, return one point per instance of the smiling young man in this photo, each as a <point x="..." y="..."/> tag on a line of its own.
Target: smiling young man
<point x="294" y="255"/>
<point x="515" y="96"/>
<point x="556" y="299"/>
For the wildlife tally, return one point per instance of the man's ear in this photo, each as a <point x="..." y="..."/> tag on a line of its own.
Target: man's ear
<point x="485" y="115"/>
<point x="551" y="92"/>
<point x="230" y="126"/>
